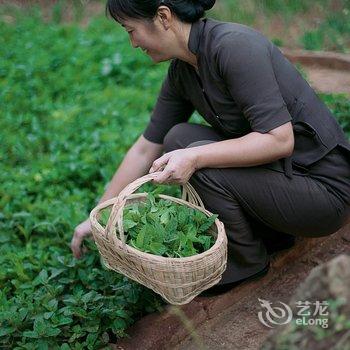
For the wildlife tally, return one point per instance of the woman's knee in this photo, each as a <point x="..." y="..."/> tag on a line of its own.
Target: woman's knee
<point x="183" y="135"/>
<point x="175" y="137"/>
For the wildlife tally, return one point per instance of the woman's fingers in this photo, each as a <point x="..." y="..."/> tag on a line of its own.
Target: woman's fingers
<point x="76" y="244"/>
<point x="80" y="232"/>
<point x="163" y="176"/>
<point x="160" y="163"/>
<point x="154" y="170"/>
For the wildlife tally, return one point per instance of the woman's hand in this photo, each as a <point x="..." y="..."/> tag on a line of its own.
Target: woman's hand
<point x="177" y="166"/>
<point x="81" y="231"/>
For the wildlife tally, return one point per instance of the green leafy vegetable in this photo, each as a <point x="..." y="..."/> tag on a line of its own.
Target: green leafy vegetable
<point x="167" y="229"/>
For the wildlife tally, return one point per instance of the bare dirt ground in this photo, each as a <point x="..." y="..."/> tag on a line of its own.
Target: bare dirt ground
<point x="329" y="80"/>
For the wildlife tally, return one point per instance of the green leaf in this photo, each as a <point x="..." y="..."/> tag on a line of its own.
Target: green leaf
<point x="6" y="331"/>
<point x="122" y="313"/>
<point x="55" y="273"/>
<point x="171" y="227"/>
<point x="88" y="297"/>
<point x="31" y="334"/>
<point x="48" y="315"/>
<point x="209" y="222"/>
<point x="159" y="231"/>
<point x="141" y="237"/>
<point x="191" y="231"/>
<point x="92" y="328"/>
<point x="157" y="248"/>
<point x="22" y="314"/>
<point x="119" y="324"/>
<point x="91" y="340"/>
<point x="39" y="326"/>
<point x="183" y="238"/>
<point x="182" y="216"/>
<point x="52" y="305"/>
<point x="62" y="320"/>
<point x="52" y="332"/>
<point x="199" y="216"/>
<point x="42" y="278"/>
<point x="165" y="217"/>
<point x="128" y="224"/>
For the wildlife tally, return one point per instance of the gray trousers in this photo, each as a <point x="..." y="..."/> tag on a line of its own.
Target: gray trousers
<point x="255" y="201"/>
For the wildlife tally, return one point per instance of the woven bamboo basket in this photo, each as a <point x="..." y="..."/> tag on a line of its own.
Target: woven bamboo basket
<point x="177" y="280"/>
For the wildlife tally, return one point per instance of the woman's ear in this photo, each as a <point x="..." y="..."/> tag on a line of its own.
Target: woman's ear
<point x="164" y="16"/>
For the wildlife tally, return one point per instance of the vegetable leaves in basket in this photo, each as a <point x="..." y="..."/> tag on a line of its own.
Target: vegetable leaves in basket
<point x="161" y="227"/>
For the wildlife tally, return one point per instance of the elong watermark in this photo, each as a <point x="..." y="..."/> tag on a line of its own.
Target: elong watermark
<point x="308" y="313"/>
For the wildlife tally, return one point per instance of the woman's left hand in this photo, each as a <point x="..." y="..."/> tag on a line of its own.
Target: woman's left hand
<point x="177" y="166"/>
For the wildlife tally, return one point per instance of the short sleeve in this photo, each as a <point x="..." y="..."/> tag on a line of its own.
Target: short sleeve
<point x="171" y="107"/>
<point x="244" y="62"/>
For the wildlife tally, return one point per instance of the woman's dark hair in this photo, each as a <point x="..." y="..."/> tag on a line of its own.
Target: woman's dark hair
<point x="188" y="11"/>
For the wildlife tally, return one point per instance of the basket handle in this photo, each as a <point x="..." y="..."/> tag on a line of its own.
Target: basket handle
<point x="116" y="216"/>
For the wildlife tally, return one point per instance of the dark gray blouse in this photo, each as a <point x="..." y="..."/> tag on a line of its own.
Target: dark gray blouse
<point x="246" y="84"/>
<point x="236" y="91"/>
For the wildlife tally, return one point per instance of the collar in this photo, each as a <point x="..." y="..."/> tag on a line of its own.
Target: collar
<point x="195" y="35"/>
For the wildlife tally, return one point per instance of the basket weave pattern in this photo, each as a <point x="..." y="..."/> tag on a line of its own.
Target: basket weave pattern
<point x="177" y="280"/>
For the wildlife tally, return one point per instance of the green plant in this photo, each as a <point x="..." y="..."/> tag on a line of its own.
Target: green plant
<point x="339" y="104"/>
<point x="162" y="228"/>
<point x="332" y="34"/>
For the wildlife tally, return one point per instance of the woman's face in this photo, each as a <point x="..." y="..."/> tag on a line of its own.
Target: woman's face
<point x="150" y="36"/>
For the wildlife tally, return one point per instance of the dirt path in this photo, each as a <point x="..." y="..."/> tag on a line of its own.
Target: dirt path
<point x="327" y="72"/>
<point x="329" y="80"/>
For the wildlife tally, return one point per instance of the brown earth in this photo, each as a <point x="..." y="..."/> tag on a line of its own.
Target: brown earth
<point x="327" y="72"/>
<point x="329" y="80"/>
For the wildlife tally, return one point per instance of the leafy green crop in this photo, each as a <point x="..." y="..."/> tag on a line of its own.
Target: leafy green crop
<point x="167" y="229"/>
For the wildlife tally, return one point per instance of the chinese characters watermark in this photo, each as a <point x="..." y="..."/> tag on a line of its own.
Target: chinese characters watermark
<point x="307" y="314"/>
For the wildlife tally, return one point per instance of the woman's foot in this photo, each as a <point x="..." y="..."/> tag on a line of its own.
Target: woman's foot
<point x="222" y="288"/>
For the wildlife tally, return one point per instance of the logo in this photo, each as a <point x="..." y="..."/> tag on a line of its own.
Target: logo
<point x="273" y="316"/>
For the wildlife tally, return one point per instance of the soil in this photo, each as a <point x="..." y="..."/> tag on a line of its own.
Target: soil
<point x="329" y="80"/>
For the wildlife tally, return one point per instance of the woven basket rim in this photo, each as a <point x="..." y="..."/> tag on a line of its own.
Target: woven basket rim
<point x="129" y="249"/>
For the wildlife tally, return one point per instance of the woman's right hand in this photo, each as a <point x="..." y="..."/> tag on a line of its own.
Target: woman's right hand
<point x="81" y="231"/>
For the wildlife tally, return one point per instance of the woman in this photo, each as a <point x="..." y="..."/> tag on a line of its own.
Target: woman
<point x="274" y="163"/>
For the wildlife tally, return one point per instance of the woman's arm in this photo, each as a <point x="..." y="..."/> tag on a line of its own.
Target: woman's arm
<point x="252" y="149"/>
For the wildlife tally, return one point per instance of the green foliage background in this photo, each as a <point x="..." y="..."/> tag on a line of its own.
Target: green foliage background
<point x="73" y="100"/>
